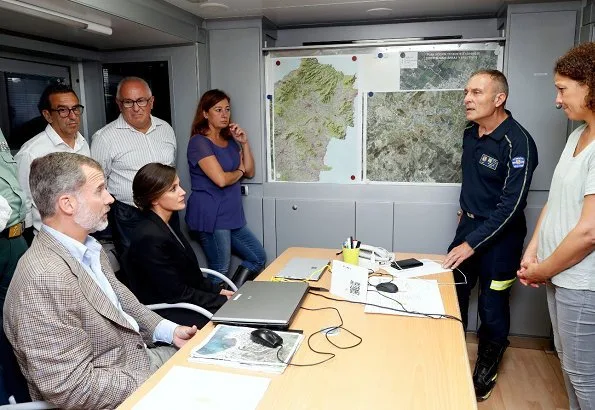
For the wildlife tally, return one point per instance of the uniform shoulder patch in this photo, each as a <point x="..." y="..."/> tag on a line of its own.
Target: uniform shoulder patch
<point x="518" y="162"/>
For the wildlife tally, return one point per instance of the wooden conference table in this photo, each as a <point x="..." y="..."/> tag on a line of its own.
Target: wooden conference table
<point x="402" y="362"/>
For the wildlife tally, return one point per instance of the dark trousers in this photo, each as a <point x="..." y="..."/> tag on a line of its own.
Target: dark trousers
<point x="494" y="266"/>
<point x="12" y="381"/>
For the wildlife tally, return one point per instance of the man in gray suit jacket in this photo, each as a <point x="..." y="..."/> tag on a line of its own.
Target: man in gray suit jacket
<point x="81" y="338"/>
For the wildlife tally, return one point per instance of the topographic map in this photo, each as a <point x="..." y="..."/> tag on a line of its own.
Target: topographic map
<point x="415" y="136"/>
<point x="442" y="70"/>
<point x="313" y="105"/>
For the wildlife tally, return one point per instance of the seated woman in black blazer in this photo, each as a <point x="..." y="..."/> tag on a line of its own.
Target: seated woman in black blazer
<point x="160" y="265"/>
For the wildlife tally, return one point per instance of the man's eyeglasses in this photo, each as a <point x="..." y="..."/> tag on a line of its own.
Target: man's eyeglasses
<point x="65" y="112"/>
<point x="141" y="102"/>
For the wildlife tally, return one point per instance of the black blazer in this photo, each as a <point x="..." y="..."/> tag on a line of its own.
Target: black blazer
<point x="160" y="270"/>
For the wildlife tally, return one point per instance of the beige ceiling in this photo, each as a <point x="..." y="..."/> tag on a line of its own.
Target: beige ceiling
<point x="306" y="12"/>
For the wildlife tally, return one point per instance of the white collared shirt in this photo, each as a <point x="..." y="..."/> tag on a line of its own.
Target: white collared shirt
<point x="122" y="151"/>
<point x="45" y="142"/>
<point x="88" y="255"/>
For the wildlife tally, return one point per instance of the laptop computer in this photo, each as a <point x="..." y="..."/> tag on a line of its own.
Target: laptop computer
<point x="303" y="268"/>
<point x="263" y="304"/>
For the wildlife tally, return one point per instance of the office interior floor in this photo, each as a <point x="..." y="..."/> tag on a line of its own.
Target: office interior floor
<point x="527" y="379"/>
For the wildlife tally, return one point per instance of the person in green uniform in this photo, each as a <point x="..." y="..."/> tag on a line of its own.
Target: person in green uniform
<point x="13" y="209"/>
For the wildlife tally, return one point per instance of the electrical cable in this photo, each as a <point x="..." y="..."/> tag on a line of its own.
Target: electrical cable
<point x="429" y="315"/>
<point x="326" y="332"/>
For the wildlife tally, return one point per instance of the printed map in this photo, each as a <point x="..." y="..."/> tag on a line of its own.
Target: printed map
<point x="378" y="115"/>
<point x="442" y="70"/>
<point x="415" y="136"/>
<point x="313" y="105"/>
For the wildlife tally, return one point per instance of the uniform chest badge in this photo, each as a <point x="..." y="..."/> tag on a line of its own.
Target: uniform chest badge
<point x="487" y="161"/>
<point x="4" y="146"/>
<point x="518" y="162"/>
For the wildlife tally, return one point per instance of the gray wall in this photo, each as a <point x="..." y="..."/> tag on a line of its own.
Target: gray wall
<point x="414" y="218"/>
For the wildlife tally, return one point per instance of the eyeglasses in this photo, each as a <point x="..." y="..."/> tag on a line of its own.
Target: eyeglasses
<point x="141" y="102"/>
<point x="64" y="112"/>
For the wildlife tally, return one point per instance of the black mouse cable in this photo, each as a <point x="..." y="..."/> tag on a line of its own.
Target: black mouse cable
<point x="326" y="331"/>
<point x="374" y="289"/>
<point x="429" y="315"/>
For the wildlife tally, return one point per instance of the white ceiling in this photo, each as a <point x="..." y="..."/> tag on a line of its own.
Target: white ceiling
<point x="283" y="13"/>
<point x="287" y="13"/>
<point x="126" y="33"/>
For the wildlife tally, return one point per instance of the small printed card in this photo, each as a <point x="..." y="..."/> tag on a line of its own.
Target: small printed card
<point x="349" y="281"/>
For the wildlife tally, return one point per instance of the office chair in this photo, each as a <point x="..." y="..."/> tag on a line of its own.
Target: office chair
<point x="190" y="306"/>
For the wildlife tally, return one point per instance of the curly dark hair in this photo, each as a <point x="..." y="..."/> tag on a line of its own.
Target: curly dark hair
<point x="578" y="64"/>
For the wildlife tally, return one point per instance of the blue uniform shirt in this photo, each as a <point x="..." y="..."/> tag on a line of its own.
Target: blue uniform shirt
<point x="497" y="173"/>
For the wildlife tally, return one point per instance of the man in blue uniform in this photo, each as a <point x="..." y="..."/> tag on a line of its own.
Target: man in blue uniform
<point x="13" y="209"/>
<point x="499" y="157"/>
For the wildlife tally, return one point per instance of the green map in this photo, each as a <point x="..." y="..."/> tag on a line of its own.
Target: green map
<point x="312" y="105"/>
<point x="415" y="136"/>
<point x="443" y="70"/>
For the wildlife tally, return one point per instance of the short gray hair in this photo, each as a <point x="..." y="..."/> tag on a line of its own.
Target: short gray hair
<point x="501" y="84"/>
<point x="57" y="174"/>
<point x="130" y="80"/>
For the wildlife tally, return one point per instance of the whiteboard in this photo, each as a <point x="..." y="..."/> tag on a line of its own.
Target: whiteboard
<point x="373" y="114"/>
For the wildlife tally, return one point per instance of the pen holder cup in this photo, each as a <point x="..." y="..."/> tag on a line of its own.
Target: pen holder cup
<point x="351" y="256"/>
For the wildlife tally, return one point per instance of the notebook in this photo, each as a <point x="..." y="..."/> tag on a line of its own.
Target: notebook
<point x="303" y="269"/>
<point x="263" y="304"/>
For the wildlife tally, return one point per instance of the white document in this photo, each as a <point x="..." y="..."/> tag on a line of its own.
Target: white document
<point x="188" y="388"/>
<point x="349" y="281"/>
<point x="429" y="268"/>
<point x="414" y="295"/>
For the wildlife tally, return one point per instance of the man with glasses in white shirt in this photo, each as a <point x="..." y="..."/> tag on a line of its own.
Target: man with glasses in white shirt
<point x="123" y="146"/>
<point x="61" y="108"/>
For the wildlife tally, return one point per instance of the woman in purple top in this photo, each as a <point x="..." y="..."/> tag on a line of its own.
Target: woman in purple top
<point x="219" y="156"/>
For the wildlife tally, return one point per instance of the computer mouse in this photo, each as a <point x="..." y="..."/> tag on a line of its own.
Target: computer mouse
<point x="266" y="337"/>
<point x="387" y="287"/>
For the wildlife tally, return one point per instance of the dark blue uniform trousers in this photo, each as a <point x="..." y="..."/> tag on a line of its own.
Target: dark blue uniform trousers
<point x="494" y="265"/>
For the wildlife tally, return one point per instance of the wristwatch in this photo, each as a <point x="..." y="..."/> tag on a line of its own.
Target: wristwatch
<point x="460" y="212"/>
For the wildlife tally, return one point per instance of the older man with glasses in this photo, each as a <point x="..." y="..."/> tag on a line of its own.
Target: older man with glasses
<point x="123" y="146"/>
<point x="60" y="107"/>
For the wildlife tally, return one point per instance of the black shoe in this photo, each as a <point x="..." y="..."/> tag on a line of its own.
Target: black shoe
<point x="489" y="355"/>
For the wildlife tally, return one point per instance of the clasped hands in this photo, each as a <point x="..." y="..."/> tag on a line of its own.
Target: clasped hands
<point x="529" y="273"/>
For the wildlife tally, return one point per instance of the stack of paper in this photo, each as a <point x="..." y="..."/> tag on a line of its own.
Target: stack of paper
<point x="231" y="346"/>
<point x="187" y="388"/>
